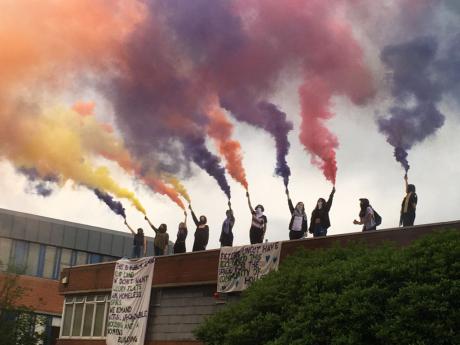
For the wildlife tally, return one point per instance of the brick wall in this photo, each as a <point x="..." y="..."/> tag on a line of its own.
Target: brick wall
<point x="41" y="295"/>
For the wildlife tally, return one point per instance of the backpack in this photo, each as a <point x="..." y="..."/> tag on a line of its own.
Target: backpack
<point x="377" y="218"/>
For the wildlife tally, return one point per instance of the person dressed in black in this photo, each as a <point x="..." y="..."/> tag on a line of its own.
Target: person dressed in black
<point x="201" y="232"/>
<point x="258" y="224"/>
<point x="139" y="242"/>
<point x="409" y="204"/>
<point x="179" y="246"/>
<point x="298" y="225"/>
<point x="226" y="236"/>
<point x="319" y="222"/>
<point x="161" y="240"/>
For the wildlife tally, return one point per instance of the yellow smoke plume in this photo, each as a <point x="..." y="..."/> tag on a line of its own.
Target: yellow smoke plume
<point x="51" y="145"/>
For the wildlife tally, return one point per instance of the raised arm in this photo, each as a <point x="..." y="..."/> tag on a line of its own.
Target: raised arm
<point x="230" y="205"/>
<point x="185" y="218"/>
<point x="130" y="229"/>
<point x="329" y="201"/>
<point x="291" y="206"/>
<point x="406" y="183"/>
<point x="195" y="219"/>
<point x="249" y="202"/>
<point x="151" y="225"/>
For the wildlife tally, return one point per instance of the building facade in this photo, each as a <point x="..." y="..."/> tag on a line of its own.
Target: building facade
<point x="39" y="248"/>
<point x="183" y="289"/>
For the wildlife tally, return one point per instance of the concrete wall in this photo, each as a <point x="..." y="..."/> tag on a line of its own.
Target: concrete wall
<point x="176" y="312"/>
<point x="28" y="227"/>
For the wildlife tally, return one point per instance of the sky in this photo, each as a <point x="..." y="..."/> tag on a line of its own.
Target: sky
<point x="172" y="88"/>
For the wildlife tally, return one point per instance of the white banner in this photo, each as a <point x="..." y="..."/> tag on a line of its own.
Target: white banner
<point x="239" y="267"/>
<point x="130" y="300"/>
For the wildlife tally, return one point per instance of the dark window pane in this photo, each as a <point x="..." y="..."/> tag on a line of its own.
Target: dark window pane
<point x="68" y="310"/>
<point x="95" y="258"/>
<point x="20" y="255"/>
<point x="107" y="306"/>
<point x="88" y="320"/>
<point x="77" y="319"/>
<point x="99" y="320"/>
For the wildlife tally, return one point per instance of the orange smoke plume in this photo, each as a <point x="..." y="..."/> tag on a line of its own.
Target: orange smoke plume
<point x="221" y="130"/>
<point x="159" y="186"/>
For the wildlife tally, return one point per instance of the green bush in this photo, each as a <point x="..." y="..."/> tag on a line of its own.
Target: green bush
<point x="354" y="295"/>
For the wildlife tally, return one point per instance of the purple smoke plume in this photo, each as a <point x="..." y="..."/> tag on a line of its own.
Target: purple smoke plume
<point x="212" y="35"/>
<point x="415" y="115"/>
<point x="267" y="116"/>
<point x="114" y="205"/>
<point x="159" y="107"/>
<point x="40" y="185"/>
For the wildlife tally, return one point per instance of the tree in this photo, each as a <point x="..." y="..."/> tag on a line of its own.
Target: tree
<point x="354" y="295"/>
<point x="18" y="324"/>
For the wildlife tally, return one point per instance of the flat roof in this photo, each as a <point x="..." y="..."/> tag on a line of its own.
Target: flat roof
<point x="61" y="233"/>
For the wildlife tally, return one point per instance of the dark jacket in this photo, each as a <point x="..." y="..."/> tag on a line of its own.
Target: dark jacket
<point x="179" y="246"/>
<point x="322" y="214"/>
<point x="304" y="221"/>
<point x="226" y="238"/>
<point x="201" y="235"/>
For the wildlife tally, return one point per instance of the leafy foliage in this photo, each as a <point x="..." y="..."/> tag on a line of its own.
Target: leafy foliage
<point x="18" y="324"/>
<point x="354" y="295"/>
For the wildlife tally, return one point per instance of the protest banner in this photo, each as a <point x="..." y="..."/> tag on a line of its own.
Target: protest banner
<point x="239" y="267"/>
<point x="129" y="302"/>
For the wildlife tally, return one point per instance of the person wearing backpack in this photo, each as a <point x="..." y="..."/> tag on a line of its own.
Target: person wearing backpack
<point x="368" y="217"/>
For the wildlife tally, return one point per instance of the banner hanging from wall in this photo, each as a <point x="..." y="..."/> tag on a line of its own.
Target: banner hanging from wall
<point x="129" y="302"/>
<point x="239" y="267"/>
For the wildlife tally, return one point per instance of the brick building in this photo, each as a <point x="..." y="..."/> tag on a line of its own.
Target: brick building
<point x="39" y="248"/>
<point x="183" y="289"/>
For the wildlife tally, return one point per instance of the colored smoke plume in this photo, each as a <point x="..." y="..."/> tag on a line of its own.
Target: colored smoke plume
<point x="178" y="187"/>
<point x="415" y="114"/>
<point x="114" y="205"/>
<point x="55" y="149"/>
<point x="221" y="129"/>
<point x="159" y="186"/>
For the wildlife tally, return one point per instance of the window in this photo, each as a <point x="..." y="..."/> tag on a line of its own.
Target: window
<point x="20" y="255"/>
<point x="95" y="258"/>
<point x="85" y="316"/>
<point x="81" y="258"/>
<point x="49" y="262"/>
<point x="5" y="250"/>
<point x="65" y="260"/>
<point x="33" y="259"/>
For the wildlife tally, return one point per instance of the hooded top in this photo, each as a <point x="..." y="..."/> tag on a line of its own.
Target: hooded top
<point x="161" y="237"/>
<point x="322" y="214"/>
<point x="295" y="214"/>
